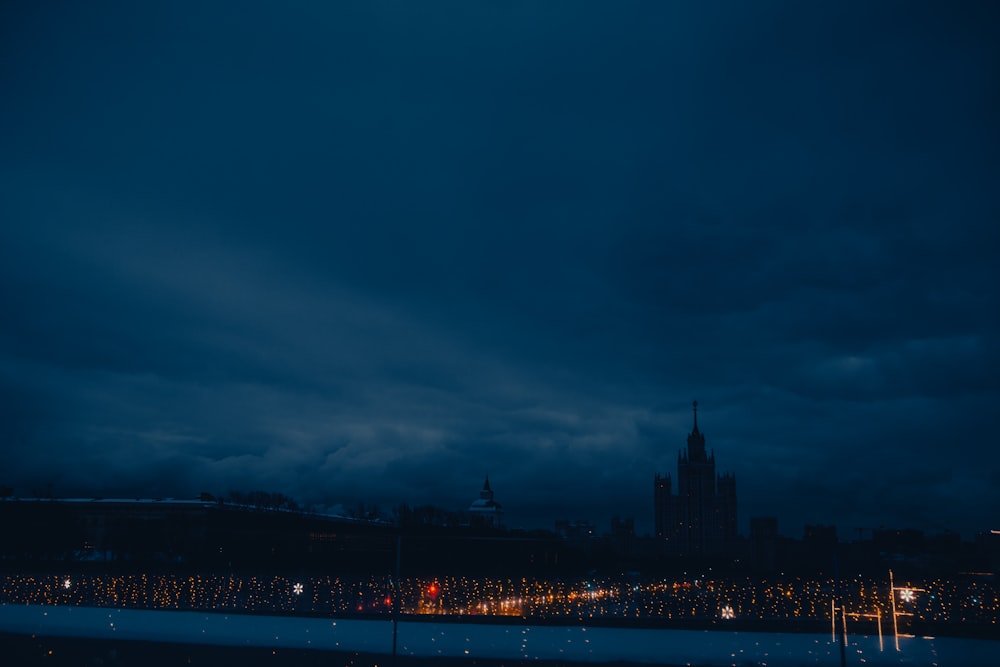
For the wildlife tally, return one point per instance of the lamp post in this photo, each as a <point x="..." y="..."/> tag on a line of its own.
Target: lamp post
<point x="906" y="594"/>
<point x="394" y="609"/>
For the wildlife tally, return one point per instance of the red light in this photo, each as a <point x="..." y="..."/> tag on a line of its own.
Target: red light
<point x="388" y="601"/>
<point x="433" y="590"/>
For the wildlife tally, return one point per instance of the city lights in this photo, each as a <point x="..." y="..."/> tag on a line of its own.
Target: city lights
<point x="789" y="598"/>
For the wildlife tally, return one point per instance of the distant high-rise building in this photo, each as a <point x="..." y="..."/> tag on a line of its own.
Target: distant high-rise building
<point x="578" y="530"/>
<point x="764" y="543"/>
<point x="701" y="518"/>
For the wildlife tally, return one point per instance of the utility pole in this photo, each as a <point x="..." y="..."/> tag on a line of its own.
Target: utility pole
<point x="838" y="593"/>
<point x="395" y="598"/>
<point x="892" y="599"/>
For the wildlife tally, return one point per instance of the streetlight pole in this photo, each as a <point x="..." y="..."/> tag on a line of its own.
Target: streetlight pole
<point x="840" y="594"/>
<point x="395" y="598"/>
<point x="907" y="594"/>
<point x="892" y="599"/>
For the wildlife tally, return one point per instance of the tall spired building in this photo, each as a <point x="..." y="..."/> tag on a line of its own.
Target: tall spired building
<point x="701" y="518"/>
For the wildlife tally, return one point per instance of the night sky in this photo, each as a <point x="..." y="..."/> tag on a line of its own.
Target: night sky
<point x="373" y="251"/>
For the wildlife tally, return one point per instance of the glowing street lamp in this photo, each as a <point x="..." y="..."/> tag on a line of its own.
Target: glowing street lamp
<point x="906" y="594"/>
<point x="67" y="583"/>
<point x="727" y="612"/>
<point x="297" y="589"/>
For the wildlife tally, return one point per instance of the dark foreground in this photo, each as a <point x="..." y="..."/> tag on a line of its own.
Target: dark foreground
<point x="76" y="652"/>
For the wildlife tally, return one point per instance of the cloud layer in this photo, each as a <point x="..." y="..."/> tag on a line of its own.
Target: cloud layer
<point x="374" y="252"/>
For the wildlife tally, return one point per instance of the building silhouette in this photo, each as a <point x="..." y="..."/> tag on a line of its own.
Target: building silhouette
<point x="485" y="511"/>
<point x="700" y="520"/>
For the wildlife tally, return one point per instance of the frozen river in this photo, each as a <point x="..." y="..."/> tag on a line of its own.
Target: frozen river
<point x="472" y="640"/>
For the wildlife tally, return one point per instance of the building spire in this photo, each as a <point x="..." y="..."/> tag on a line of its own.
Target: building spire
<point x="696" y="441"/>
<point x="487" y="493"/>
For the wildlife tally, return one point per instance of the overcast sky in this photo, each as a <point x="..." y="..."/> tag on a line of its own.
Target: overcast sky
<point x="372" y="251"/>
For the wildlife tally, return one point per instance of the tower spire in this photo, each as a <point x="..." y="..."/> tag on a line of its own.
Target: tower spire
<point x="696" y="440"/>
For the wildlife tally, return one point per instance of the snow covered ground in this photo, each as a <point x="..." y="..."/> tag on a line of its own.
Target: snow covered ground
<point x="428" y="639"/>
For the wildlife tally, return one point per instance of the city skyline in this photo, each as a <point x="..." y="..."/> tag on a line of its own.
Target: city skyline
<point x="375" y="252"/>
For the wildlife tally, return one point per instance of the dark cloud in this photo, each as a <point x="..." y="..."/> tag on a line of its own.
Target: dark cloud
<point x="375" y="251"/>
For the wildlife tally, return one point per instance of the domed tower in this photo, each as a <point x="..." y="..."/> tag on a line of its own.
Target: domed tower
<point x="485" y="511"/>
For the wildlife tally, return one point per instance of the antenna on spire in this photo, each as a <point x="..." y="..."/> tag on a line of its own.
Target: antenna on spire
<point x="695" y="404"/>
